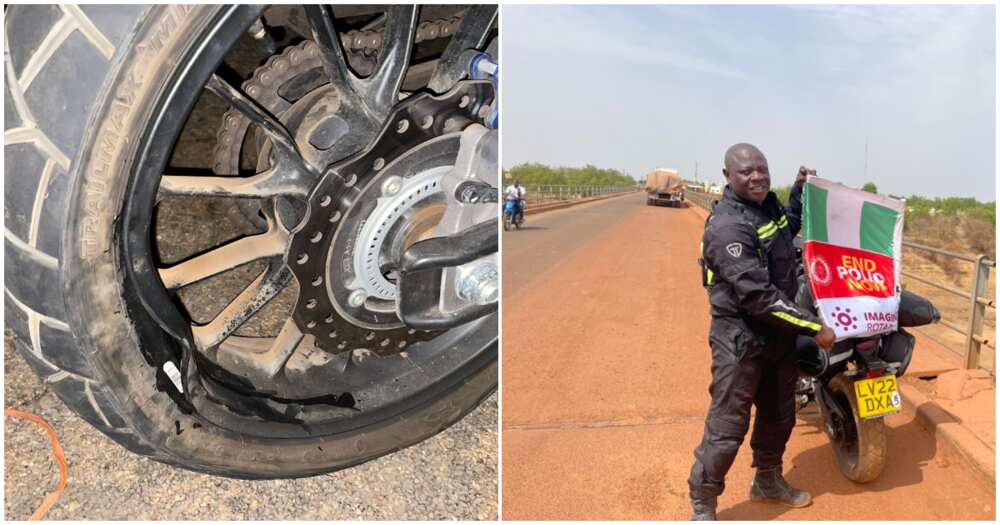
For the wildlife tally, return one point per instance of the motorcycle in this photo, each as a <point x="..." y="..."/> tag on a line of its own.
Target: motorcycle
<point x="855" y="384"/>
<point x="343" y="303"/>
<point x="513" y="214"/>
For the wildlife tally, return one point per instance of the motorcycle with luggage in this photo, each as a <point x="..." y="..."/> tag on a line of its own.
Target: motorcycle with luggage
<point x="855" y="384"/>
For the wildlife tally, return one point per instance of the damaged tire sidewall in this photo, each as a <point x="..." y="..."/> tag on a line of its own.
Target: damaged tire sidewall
<point x="93" y="284"/>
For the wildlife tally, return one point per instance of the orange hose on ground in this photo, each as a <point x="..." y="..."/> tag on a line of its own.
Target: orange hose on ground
<point x="57" y="451"/>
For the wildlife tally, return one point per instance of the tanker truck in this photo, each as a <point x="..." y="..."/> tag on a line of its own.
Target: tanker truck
<point x="664" y="186"/>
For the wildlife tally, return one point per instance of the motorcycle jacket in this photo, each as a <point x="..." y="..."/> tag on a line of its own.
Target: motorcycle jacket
<point x="749" y="265"/>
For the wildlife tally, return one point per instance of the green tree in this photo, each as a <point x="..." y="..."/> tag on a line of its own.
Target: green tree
<point x="783" y="193"/>
<point x="869" y="187"/>
<point x="534" y="174"/>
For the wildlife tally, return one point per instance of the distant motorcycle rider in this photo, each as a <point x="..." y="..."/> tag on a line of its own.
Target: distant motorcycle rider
<point x="517" y="193"/>
<point x="749" y="269"/>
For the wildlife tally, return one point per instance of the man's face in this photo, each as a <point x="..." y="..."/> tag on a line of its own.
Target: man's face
<point x="747" y="174"/>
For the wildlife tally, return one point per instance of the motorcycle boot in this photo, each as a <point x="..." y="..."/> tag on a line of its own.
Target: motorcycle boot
<point x="703" y="507"/>
<point x="768" y="485"/>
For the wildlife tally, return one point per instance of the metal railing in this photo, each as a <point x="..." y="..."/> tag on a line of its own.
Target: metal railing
<point x="978" y="295"/>
<point x="705" y="200"/>
<point x="549" y="193"/>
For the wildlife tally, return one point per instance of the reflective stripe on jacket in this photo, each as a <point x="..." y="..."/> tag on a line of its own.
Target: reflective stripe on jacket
<point x="750" y="267"/>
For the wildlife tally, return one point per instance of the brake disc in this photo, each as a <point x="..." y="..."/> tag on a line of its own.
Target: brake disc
<point x="366" y="210"/>
<point x="364" y="213"/>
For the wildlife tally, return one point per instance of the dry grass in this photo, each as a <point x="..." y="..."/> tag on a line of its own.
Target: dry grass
<point x="981" y="236"/>
<point x="960" y="234"/>
<point x="953" y="308"/>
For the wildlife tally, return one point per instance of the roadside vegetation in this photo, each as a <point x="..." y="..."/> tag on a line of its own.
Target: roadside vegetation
<point x="534" y="174"/>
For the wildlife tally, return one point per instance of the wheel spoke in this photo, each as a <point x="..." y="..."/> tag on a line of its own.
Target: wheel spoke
<point x="331" y="52"/>
<point x="264" y="288"/>
<point x="382" y="87"/>
<point x="270" y="183"/>
<point x="225" y="257"/>
<point x="253" y="111"/>
<point x="248" y="356"/>
<point x="282" y="348"/>
<point x="470" y="34"/>
<point x="286" y="153"/>
<point x="379" y="92"/>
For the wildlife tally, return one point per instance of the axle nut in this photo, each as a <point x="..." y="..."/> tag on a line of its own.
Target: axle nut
<point x="480" y="284"/>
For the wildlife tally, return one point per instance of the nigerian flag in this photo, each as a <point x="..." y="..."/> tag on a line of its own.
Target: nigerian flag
<point x="853" y="250"/>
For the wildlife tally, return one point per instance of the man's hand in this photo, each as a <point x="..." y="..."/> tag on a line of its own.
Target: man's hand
<point x="825" y="338"/>
<point x="803" y="172"/>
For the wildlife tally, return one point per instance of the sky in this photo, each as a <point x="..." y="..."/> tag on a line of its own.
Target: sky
<point x="640" y="87"/>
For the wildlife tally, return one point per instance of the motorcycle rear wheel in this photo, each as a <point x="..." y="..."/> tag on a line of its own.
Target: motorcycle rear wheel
<point x="862" y="453"/>
<point x="79" y="118"/>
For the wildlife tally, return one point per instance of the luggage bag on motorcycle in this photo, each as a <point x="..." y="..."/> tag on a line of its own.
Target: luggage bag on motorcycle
<point x="896" y="347"/>
<point x="916" y="311"/>
<point x="814" y="361"/>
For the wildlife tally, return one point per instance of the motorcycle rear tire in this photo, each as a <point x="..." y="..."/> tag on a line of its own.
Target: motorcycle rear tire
<point x="70" y="137"/>
<point x="867" y="462"/>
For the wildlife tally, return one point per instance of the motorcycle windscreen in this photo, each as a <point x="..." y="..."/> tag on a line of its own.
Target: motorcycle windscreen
<point x="852" y="252"/>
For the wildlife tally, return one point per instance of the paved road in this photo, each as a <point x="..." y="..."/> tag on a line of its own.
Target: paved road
<point x="605" y="375"/>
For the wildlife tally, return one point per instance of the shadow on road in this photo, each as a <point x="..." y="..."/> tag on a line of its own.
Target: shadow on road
<point x="682" y="206"/>
<point x="816" y="470"/>
<point x="529" y="228"/>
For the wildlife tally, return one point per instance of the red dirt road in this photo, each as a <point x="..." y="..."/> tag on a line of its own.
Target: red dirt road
<point x="605" y="386"/>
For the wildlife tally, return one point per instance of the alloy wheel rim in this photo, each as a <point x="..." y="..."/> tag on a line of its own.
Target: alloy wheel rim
<point x="343" y="403"/>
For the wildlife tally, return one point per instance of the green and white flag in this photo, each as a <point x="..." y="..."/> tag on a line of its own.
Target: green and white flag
<point x="853" y="253"/>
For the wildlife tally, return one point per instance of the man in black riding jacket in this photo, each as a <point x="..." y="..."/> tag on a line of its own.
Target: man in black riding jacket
<point x="749" y="268"/>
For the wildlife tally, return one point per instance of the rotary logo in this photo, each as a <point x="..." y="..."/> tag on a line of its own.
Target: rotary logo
<point x="819" y="271"/>
<point x="844" y="319"/>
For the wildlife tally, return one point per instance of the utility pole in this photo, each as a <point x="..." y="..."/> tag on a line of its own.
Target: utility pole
<point x="866" y="158"/>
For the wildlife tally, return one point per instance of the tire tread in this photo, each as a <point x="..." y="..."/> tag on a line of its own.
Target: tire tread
<point x="36" y="311"/>
<point x="871" y="439"/>
<point x="35" y="291"/>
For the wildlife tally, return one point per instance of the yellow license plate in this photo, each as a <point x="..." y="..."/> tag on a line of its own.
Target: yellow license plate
<point x="878" y="396"/>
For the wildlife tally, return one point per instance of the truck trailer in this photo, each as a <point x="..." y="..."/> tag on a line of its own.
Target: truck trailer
<point x="664" y="186"/>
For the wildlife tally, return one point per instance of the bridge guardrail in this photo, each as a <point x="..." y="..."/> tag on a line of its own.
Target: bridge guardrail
<point x="978" y="295"/>
<point x="538" y="194"/>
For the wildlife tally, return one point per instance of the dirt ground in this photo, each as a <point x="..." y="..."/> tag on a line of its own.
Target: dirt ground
<point x="605" y="375"/>
<point x="450" y="476"/>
